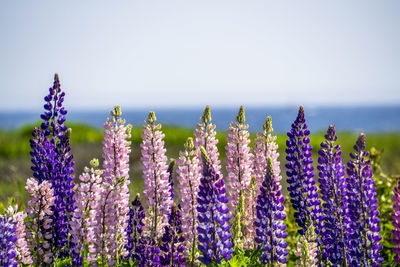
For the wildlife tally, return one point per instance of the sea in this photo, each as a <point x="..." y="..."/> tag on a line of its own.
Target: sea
<point x="370" y="119"/>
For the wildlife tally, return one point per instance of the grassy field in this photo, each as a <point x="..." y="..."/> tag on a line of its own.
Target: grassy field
<point x="86" y="144"/>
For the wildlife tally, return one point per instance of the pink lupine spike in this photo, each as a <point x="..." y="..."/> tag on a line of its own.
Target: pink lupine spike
<point x="112" y="212"/>
<point x="84" y="223"/>
<point x="22" y="250"/>
<point x="188" y="176"/>
<point x="40" y="210"/>
<point x="205" y="136"/>
<point x="156" y="178"/>
<point x="396" y="221"/>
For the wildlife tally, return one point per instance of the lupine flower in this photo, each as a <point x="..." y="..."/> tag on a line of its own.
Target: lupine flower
<point x="23" y="254"/>
<point x="147" y="253"/>
<point x="302" y="189"/>
<point x="156" y="178"/>
<point x="361" y="205"/>
<point x="8" y="238"/>
<point x="269" y="225"/>
<point x="62" y="179"/>
<point x="205" y="136"/>
<point x="396" y="221"/>
<point x="264" y="147"/>
<point x="135" y="227"/>
<point x="332" y="186"/>
<point x="239" y="160"/>
<point x="170" y="172"/>
<point x="88" y="195"/>
<point x="307" y="249"/>
<point x="112" y="215"/>
<point x="173" y="241"/>
<point x="188" y="176"/>
<point x="213" y="215"/>
<point x="40" y="210"/>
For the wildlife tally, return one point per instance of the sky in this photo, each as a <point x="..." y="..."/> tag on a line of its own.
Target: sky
<point x="145" y="54"/>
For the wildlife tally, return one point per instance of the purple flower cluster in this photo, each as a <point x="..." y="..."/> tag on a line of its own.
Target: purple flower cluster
<point x="52" y="161"/>
<point x="8" y="237"/>
<point x="270" y="228"/>
<point x="213" y="215"/>
<point x="172" y="247"/>
<point x="362" y="229"/>
<point x="332" y="188"/>
<point x="302" y="188"/>
<point x="135" y="227"/>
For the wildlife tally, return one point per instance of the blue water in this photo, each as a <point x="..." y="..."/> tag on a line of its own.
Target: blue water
<point x="352" y="119"/>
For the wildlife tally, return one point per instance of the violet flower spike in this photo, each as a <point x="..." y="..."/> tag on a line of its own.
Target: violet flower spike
<point x="213" y="215"/>
<point x="62" y="179"/>
<point x="362" y="220"/>
<point x="8" y="238"/>
<point x="135" y="228"/>
<point x="302" y="189"/>
<point x="173" y="241"/>
<point x="333" y="185"/>
<point x="270" y="228"/>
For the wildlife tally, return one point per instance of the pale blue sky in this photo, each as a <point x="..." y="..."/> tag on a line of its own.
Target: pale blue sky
<point x="143" y="54"/>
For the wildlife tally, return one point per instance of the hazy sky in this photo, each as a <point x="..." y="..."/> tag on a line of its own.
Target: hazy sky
<point x="192" y="53"/>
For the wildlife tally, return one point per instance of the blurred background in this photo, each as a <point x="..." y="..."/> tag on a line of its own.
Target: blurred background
<point x="339" y="59"/>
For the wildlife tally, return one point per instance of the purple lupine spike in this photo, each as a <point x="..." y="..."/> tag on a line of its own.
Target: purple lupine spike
<point x="213" y="215"/>
<point x="302" y="188"/>
<point x="8" y="237"/>
<point x="61" y="177"/>
<point x="147" y="254"/>
<point x="300" y="174"/>
<point x="396" y="221"/>
<point x="173" y="241"/>
<point x="170" y="171"/>
<point x="135" y="227"/>
<point x="361" y="206"/>
<point x="270" y="228"/>
<point x="332" y="187"/>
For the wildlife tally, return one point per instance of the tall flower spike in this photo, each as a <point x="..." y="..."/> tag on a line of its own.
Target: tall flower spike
<point x="238" y="159"/>
<point x="40" y="210"/>
<point x="362" y="219"/>
<point x="264" y="147"/>
<point x="84" y="221"/>
<point x="332" y="188"/>
<point x="205" y="136"/>
<point x="188" y="176"/>
<point x="213" y="215"/>
<point x="23" y="254"/>
<point x="135" y="227"/>
<point x="302" y="189"/>
<point x="269" y="224"/>
<point x="62" y="178"/>
<point x="173" y="241"/>
<point x="156" y="178"/>
<point x="396" y="221"/>
<point x="112" y="215"/>
<point x="8" y="237"/>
